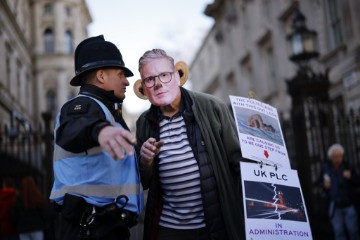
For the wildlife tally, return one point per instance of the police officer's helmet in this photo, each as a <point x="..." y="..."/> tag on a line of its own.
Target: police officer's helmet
<point x="93" y="53"/>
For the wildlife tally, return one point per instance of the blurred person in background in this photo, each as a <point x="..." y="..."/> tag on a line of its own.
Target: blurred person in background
<point x="8" y="196"/>
<point x="30" y="211"/>
<point x="339" y="182"/>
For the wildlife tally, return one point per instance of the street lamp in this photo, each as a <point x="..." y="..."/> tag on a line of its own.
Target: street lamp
<point x="302" y="41"/>
<point x="303" y="44"/>
<point x="310" y="105"/>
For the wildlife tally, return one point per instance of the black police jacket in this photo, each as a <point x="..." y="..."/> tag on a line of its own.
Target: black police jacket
<point x="81" y="119"/>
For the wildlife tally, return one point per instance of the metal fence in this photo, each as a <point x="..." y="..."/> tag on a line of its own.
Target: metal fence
<point x="25" y="152"/>
<point x="325" y="124"/>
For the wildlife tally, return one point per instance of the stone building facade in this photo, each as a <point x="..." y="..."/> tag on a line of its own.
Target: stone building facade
<point x="37" y="42"/>
<point x="247" y="49"/>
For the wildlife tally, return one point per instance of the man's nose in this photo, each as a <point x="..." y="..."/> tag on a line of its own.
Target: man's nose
<point x="158" y="83"/>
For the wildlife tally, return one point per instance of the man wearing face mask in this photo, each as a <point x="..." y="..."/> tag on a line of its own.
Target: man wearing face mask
<point x="189" y="157"/>
<point x="97" y="186"/>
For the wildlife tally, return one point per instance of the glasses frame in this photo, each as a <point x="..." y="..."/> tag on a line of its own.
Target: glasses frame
<point x="157" y="76"/>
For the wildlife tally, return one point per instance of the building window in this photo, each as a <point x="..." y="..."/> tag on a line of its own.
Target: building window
<point x="272" y="70"/>
<point x="48" y="9"/>
<point x="28" y="91"/>
<point x="267" y="61"/>
<point x="18" y="79"/>
<point x="247" y="72"/>
<point x="246" y="21"/>
<point x="266" y="9"/>
<point x="69" y="42"/>
<point x="68" y="11"/>
<point x="231" y="84"/>
<point x="357" y="16"/>
<point x="334" y="22"/>
<point x="51" y="103"/>
<point x="48" y="41"/>
<point x="8" y="66"/>
<point x="346" y="21"/>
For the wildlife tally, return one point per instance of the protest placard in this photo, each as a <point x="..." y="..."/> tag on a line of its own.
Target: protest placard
<point x="260" y="133"/>
<point x="274" y="206"/>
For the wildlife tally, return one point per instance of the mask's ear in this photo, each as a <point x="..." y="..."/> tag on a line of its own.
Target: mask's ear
<point x="139" y="90"/>
<point x="183" y="70"/>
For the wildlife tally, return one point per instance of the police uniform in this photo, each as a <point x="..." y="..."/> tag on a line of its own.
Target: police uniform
<point x="85" y="132"/>
<point x="98" y="197"/>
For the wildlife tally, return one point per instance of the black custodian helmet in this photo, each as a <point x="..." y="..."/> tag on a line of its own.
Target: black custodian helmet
<point x="93" y="53"/>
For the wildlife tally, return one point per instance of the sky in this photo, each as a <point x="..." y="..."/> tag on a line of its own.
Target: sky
<point x="135" y="26"/>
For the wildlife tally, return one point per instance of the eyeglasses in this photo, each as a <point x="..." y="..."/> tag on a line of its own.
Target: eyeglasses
<point x="164" y="77"/>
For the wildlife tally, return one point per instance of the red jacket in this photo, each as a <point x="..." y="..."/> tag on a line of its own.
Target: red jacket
<point x="7" y="201"/>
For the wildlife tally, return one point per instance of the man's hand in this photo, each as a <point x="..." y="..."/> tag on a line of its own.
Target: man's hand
<point x="116" y="141"/>
<point x="327" y="181"/>
<point x="149" y="150"/>
<point x="347" y="174"/>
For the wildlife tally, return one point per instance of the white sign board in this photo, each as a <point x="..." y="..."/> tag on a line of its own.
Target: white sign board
<point x="274" y="206"/>
<point x="260" y="133"/>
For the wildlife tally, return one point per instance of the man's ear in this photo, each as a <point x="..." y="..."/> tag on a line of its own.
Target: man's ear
<point x="100" y="75"/>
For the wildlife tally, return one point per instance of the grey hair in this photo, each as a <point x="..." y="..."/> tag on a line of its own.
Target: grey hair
<point x="332" y="148"/>
<point x="156" y="53"/>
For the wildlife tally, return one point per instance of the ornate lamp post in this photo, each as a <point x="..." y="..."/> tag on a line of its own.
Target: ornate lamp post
<point x="309" y="93"/>
<point x="302" y="41"/>
<point x="304" y="47"/>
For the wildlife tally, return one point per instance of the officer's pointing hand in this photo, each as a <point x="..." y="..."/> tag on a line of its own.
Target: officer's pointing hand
<point x="116" y="141"/>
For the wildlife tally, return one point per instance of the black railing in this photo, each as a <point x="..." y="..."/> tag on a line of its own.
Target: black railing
<point x="325" y="125"/>
<point x="26" y="152"/>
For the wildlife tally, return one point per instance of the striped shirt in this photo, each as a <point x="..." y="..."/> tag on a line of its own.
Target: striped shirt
<point x="179" y="178"/>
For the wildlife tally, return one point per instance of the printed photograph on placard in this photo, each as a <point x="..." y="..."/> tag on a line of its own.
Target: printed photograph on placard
<point x="273" y="201"/>
<point x="258" y="125"/>
<point x="260" y="133"/>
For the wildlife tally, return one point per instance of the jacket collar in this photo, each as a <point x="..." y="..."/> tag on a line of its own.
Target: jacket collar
<point x="107" y="97"/>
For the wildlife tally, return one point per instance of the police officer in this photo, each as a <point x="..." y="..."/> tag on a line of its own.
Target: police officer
<point x="97" y="186"/>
